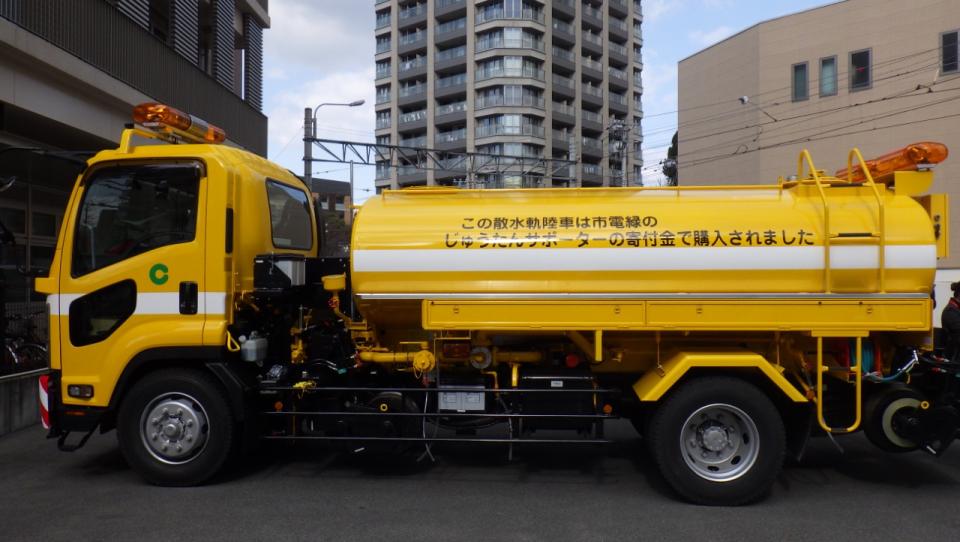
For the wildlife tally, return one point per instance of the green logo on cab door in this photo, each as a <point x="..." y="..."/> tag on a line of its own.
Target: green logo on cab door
<point x="159" y="274"/>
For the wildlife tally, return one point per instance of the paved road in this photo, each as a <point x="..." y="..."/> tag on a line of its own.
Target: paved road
<point x="553" y="494"/>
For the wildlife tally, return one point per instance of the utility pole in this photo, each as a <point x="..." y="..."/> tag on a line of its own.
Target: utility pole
<point x="618" y="140"/>
<point x="308" y="134"/>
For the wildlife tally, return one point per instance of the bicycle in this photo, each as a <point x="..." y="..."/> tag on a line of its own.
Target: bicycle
<point x="24" y="350"/>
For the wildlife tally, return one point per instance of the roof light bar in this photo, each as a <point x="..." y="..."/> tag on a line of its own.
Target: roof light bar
<point x="908" y="158"/>
<point x="167" y="120"/>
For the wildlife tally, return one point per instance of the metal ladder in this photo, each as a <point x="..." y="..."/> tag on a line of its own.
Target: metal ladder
<point x="854" y="371"/>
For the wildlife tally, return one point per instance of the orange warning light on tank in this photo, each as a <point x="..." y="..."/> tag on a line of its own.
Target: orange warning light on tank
<point x="165" y="119"/>
<point x="909" y="158"/>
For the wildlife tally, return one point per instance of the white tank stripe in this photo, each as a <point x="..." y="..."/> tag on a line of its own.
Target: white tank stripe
<point x="634" y="259"/>
<point x="162" y="303"/>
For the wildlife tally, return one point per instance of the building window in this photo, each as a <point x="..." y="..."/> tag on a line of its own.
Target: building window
<point x="828" y="76"/>
<point x="949" y="52"/>
<point x="800" y="82"/>
<point x="860" y="76"/>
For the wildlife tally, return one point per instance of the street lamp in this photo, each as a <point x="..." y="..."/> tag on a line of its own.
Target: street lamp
<point x="310" y="132"/>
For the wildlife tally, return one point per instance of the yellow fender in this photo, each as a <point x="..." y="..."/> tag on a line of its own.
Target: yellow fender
<point x="656" y="383"/>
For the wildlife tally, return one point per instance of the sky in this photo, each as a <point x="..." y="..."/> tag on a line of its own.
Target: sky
<point x="320" y="51"/>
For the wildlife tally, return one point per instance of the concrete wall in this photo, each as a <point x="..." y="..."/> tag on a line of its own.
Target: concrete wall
<point x="19" y="406"/>
<point x="723" y="141"/>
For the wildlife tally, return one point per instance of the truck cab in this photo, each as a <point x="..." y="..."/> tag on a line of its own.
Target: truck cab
<point x="149" y="262"/>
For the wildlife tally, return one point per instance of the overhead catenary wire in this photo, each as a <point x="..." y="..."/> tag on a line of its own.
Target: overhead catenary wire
<point x="741" y="110"/>
<point x="736" y="106"/>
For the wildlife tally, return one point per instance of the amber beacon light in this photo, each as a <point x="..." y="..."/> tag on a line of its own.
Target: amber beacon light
<point x="909" y="158"/>
<point x="168" y="120"/>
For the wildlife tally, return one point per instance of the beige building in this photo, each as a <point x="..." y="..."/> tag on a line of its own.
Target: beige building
<point x="873" y="74"/>
<point x="528" y="78"/>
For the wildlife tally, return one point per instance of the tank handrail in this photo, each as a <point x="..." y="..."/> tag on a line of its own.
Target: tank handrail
<point x="815" y="175"/>
<point x="855" y="153"/>
<point x="696" y="188"/>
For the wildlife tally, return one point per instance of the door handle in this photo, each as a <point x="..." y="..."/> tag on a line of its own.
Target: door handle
<point x="188" y="298"/>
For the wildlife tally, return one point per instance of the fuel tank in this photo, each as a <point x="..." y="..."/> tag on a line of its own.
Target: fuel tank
<point x="693" y="240"/>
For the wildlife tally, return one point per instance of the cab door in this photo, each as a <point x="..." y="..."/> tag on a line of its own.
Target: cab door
<point x="132" y="271"/>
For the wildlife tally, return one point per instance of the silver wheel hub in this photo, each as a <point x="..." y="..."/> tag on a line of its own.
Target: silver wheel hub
<point x="174" y="428"/>
<point x="719" y="442"/>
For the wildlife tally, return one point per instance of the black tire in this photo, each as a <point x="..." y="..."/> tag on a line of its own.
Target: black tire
<point x="728" y="414"/>
<point x="197" y="417"/>
<point x="879" y="423"/>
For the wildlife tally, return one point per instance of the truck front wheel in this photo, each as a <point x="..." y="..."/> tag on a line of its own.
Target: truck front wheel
<point x="718" y="441"/>
<point x="176" y="428"/>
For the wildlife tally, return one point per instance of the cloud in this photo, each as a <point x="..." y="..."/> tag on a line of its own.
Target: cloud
<point x="655" y="9"/>
<point x="719" y="4"/>
<point x="319" y="51"/>
<point x="709" y="37"/>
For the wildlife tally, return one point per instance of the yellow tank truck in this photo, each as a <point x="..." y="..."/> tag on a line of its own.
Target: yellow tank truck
<point x="189" y="310"/>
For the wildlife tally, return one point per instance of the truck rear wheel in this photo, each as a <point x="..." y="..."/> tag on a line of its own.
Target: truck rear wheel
<point x="718" y="441"/>
<point x="176" y="428"/>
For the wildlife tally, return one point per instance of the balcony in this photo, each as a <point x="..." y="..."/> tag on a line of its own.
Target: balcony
<point x="563" y="113"/>
<point x="565" y="7"/>
<point x="450" y="113"/>
<point x="618" y="8"/>
<point x="91" y="31"/>
<point x="450" y="58"/>
<point x="638" y="10"/>
<point x="592" y="175"/>
<point x="509" y="43"/>
<point x="418" y="141"/>
<point x="492" y="130"/>
<point x="450" y="32"/>
<point x="591" y="68"/>
<point x="592" y="43"/>
<point x="591" y="121"/>
<point x="415" y="68"/>
<point x="618" y="78"/>
<point x="412" y="15"/>
<point x="592" y="95"/>
<point x="617" y="54"/>
<point x="592" y="17"/>
<point x="526" y="71"/>
<point x="411" y="42"/>
<point x="412" y="120"/>
<point x="383" y="122"/>
<point x="383" y="71"/>
<point x="445" y="8"/>
<point x="619" y="30"/>
<point x="451" y="139"/>
<point x="450" y="85"/>
<point x="411" y="94"/>
<point x="564" y="58"/>
<point x="563" y="32"/>
<point x="383" y="46"/>
<point x="561" y="139"/>
<point x="618" y="103"/>
<point x="498" y="13"/>
<point x="499" y="100"/>
<point x="383" y="21"/>
<point x="564" y="86"/>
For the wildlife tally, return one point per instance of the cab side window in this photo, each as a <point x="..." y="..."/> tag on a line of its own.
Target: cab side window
<point x="131" y="209"/>
<point x="289" y="217"/>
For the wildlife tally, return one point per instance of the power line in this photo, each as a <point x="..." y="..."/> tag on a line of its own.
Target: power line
<point x="811" y="139"/>
<point x="838" y="125"/>
<point x="738" y="109"/>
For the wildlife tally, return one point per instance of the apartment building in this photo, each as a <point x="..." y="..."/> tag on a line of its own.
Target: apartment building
<point x="872" y="74"/>
<point x="529" y="78"/>
<point x="71" y="72"/>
